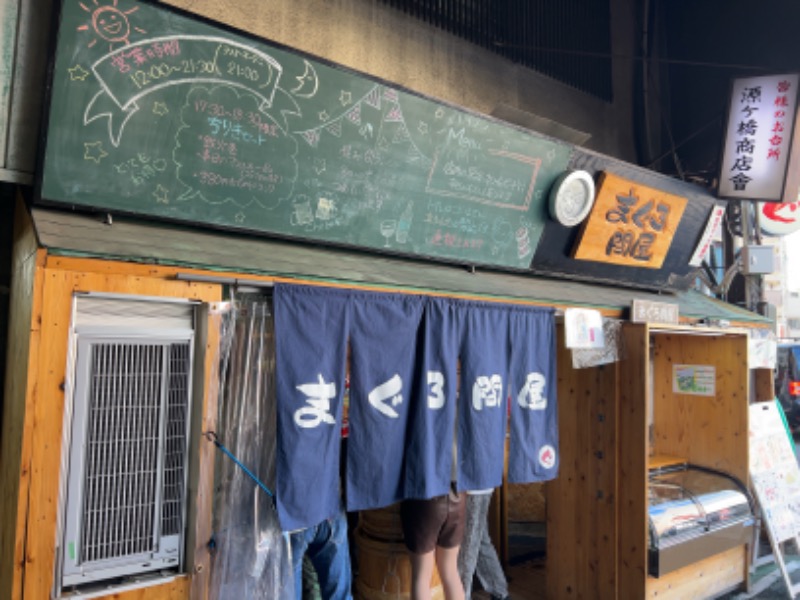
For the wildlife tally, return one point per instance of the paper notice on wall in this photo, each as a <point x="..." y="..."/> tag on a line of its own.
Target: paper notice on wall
<point x="762" y="349"/>
<point x="583" y="328"/>
<point x="695" y="380"/>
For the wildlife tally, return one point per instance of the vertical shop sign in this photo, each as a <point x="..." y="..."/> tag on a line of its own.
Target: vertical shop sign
<point x="712" y="232"/>
<point x="758" y="139"/>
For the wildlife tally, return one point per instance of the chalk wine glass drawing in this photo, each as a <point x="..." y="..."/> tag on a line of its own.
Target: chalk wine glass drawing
<point x="388" y="228"/>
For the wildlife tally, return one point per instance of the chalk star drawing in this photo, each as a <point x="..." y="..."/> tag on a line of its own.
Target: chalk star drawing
<point x="161" y="194"/>
<point x="94" y="151"/>
<point x="78" y="73"/>
<point x="160" y="108"/>
<point x="346" y="98"/>
<point x="319" y="166"/>
<point x="239" y="217"/>
<point x="323" y="115"/>
<point x="423" y="128"/>
<point x="439" y="113"/>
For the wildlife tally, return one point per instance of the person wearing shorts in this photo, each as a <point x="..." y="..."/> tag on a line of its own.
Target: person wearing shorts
<point x="433" y="530"/>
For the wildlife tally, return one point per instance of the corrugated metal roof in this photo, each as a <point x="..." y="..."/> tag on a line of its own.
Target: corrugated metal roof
<point x="70" y="233"/>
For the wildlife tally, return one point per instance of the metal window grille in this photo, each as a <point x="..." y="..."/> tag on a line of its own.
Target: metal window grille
<point x="175" y="442"/>
<point x="121" y="469"/>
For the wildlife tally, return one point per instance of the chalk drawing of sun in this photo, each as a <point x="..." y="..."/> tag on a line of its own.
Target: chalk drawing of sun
<point x="109" y="23"/>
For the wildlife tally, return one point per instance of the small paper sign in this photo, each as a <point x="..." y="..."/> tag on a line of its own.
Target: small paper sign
<point x="583" y="328"/>
<point x="695" y="380"/>
<point x="762" y="349"/>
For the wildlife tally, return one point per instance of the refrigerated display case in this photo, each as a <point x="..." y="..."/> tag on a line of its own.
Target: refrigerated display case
<point x="694" y="513"/>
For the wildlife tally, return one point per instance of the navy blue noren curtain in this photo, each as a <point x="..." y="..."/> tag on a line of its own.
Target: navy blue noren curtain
<point x="384" y="334"/>
<point x="482" y="412"/>
<point x="405" y="393"/>
<point x="533" y="447"/>
<point x="429" y="451"/>
<point x="311" y="327"/>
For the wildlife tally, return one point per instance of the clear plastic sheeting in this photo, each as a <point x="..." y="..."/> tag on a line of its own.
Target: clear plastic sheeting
<point x="251" y="557"/>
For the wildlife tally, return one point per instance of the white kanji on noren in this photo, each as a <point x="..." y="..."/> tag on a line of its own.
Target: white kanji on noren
<point x="532" y="396"/>
<point x="318" y="404"/>
<point x="389" y="391"/>
<point x="487" y="391"/>
<point x="436" y="393"/>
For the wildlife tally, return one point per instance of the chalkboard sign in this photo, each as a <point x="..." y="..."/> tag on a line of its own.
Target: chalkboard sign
<point x="160" y="114"/>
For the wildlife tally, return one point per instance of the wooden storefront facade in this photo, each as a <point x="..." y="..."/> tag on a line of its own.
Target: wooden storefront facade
<point x="596" y="509"/>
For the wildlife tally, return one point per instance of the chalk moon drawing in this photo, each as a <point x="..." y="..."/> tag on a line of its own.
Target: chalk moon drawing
<point x="308" y="82"/>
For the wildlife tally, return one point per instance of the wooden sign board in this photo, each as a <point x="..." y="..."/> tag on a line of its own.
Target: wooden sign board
<point x="631" y="224"/>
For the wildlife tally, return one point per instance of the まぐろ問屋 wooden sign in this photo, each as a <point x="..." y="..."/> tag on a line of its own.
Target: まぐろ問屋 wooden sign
<point x="630" y="224"/>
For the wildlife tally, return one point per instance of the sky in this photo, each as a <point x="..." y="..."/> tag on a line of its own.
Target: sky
<point x="793" y="261"/>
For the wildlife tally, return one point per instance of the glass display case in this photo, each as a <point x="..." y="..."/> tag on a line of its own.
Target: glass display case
<point x="693" y="513"/>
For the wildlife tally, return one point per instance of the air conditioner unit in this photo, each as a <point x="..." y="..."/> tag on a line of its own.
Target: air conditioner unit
<point x="124" y="508"/>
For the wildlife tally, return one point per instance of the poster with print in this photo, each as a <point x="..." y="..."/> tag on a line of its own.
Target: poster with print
<point x="774" y="471"/>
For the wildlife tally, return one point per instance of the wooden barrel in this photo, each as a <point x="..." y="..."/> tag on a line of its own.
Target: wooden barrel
<point x="384" y="570"/>
<point x="382" y="523"/>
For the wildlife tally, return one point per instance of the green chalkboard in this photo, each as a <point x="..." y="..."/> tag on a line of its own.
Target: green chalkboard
<point x="159" y="114"/>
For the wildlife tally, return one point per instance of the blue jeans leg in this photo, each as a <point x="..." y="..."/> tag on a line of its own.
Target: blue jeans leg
<point x="327" y="547"/>
<point x="299" y="542"/>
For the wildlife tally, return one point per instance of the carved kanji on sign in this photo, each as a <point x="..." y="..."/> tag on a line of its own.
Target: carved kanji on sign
<point x="630" y="224"/>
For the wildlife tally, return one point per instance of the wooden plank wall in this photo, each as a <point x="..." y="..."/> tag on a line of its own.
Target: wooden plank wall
<point x="764" y="384"/>
<point x="710" y="431"/>
<point x="57" y="281"/>
<point x="581" y="523"/>
<point x="19" y="393"/>
<point x="201" y="469"/>
<point x="632" y="458"/>
<point x="706" y="430"/>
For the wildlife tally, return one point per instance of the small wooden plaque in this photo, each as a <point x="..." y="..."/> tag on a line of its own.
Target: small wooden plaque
<point x="647" y="311"/>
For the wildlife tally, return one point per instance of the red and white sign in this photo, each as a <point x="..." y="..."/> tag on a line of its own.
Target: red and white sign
<point x="758" y="139"/>
<point x="712" y="232"/>
<point x="778" y="218"/>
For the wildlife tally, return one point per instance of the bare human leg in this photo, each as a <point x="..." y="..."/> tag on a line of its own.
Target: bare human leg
<point x="447" y="563"/>
<point x="421" y="575"/>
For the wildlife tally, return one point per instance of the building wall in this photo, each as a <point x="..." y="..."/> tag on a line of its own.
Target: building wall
<point x="384" y="42"/>
<point x="24" y="31"/>
<point x="792" y="313"/>
<point x="778" y="294"/>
